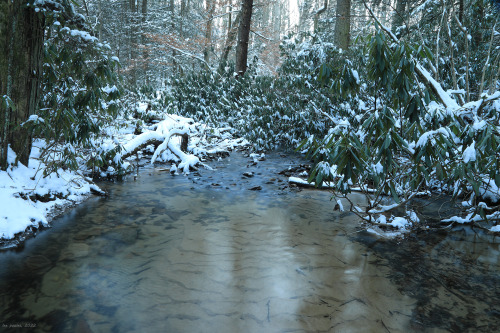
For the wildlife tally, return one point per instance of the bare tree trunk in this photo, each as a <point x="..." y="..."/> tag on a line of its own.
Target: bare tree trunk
<point x="210" y="7"/>
<point x="230" y="17"/>
<point x="304" y="16"/>
<point x="461" y="10"/>
<point x="145" y="53"/>
<point x="243" y="36"/>
<point x="452" y="59"/>
<point x="277" y="20"/>
<point x="467" y="69"/>
<point x="318" y="13"/>
<point x="397" y="19"/>
<point x="343" y="24"/>
<point x="20" y="67"/>
<point x="231" y="36"/>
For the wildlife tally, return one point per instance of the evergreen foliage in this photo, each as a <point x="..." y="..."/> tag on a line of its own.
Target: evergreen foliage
<point x="79" y="89"/>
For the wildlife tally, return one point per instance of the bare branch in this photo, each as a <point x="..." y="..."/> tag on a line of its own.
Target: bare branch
<point x="486" y="64"/>
<point x="466" y="34"/>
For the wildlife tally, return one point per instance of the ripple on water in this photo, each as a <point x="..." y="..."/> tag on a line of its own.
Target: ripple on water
<point x="159" y="256"/>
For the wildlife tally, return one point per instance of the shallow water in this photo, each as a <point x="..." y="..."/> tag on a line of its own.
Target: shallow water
<point x="205" y="254"/>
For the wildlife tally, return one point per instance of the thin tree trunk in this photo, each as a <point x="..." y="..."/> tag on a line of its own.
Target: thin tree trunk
<point x="231" y="37"/>
<point x="452" y="60"/>
<point x="277" y="19"/>
<point x="145" y="53"/>
<point x="487" y="62"/>
<point x="318" y="13"/>
<point x="210" y="7"/>
<point x="461" y="10"/>
<point x="398" y="18"/>
<point x="243" y="36"/>
<point x="466" y="37"/>
<point x="343" y="24"/>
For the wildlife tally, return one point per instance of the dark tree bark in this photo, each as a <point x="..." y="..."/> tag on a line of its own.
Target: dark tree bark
<point x="144" y="10"/>
<point x="343" y="24"/>
<point x="461" y="10"/>
<point x="21" y="43"/>
<point x="243" y="36"/>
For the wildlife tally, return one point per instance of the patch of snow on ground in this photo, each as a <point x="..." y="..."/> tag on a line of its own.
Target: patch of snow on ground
<point x="18" y="212"/>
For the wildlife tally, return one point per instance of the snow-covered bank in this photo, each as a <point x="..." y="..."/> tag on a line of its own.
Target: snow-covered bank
<point x="28" y="200"/>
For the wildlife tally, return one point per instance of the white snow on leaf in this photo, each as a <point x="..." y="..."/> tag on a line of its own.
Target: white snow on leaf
<point x="495" y="228"/>
<point x="356" y="75"/>
<point x="424" y="138"/>
<point x="469" y="154"/>
<point x="479" y="125"/>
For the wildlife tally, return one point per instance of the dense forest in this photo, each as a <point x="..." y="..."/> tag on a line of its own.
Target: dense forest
<point x="396" y="99"/>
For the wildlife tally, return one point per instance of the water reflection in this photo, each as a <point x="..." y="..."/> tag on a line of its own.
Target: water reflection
<point x="164" y="255"/>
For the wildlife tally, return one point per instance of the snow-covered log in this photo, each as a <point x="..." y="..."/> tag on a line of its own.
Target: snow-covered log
<point x="161" y="139"/>
<point x="138" y="143"/>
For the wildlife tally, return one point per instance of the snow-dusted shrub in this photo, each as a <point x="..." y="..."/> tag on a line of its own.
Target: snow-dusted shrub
<point x="79" y="91"/>
<point x="268" y="111"/>
<point x="403" y="144"/>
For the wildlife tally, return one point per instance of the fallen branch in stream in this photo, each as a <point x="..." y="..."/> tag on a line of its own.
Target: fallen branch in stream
<point x="326" y="185"/>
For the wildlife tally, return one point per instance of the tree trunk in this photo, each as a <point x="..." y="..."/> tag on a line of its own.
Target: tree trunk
<point x="343" y="24"/>
<point x="461" y="10"/>
<point x="145" y="52"/>
<point x="318" y="13"/>
<point x="397" y="19"/>
<point x="231" y="36"/>
<point x="304" y="16"/>
<point x="210" y="7"/>
<point x="243" y="36"/>
<point x="22" y="31"/>
<point x="277" y="20"/>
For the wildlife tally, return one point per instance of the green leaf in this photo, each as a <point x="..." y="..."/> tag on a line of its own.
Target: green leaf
<point x="439" y="171"/>
<point x="394" y="194"/>
<point x="387" y="142"/>
<point x="497" y="179"/>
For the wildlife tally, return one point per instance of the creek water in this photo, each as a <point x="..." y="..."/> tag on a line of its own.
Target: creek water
<point x="205" y="254"/>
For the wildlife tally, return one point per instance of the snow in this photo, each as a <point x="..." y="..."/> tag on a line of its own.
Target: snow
<point x="17" y="211"/>
<point x="425" y="137"/>
<point x="479" y="125"/>
<point x="398" y="222"/>
<point x="490" y="191"/>
<point x="356" y="75"/>
<point x="469" y="154"/>
<point x="378" y="168"/>
<point x="296" y="180"/>
<point x="444" y="97"/>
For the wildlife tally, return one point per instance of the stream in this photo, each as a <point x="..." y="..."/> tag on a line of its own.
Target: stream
<point x="217" y="251"/>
